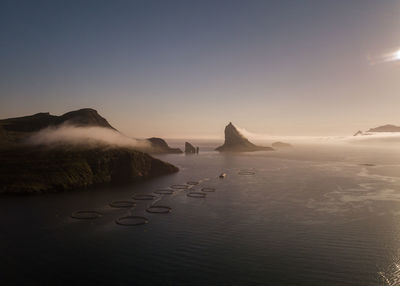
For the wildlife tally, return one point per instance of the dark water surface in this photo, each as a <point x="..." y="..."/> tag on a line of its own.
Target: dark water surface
<point x="305" y="217"/>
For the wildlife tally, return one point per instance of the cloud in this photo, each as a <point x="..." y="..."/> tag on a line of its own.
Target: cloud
<point x="387" y="139"/>
<point x="73" y="135"/>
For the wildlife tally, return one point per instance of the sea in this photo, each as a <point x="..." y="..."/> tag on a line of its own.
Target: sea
<point x="307" y="215"/>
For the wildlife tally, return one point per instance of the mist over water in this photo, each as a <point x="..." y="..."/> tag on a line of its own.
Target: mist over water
<point x="383" y="139"/>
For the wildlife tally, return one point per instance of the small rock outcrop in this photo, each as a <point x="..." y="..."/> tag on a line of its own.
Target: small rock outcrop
<point x="281" y="145"/>
<point x="189" y="148"/>
<point x="236" y="142"/>
<point x="159" y="145"/>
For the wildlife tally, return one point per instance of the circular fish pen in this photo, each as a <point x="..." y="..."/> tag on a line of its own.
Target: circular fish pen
<point x="143" y="197"/>
<point x="197" y="195"/>
<point x="192" y="183"/>
<point x="86" y="215"/>
<point x="180" y="187"/>
<point x="247" y="173"/>
<point x="164" y="192"/>
<point x="158" y="209"/>
<point x="122" y="204"/>
<point x="131" y="220"/>
<point x="208" y="190"/>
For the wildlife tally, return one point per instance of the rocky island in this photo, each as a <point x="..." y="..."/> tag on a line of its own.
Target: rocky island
<point x="236" y="142"/>
<point x="27" y="168"/>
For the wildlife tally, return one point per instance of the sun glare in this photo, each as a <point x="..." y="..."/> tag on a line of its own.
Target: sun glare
<point x="397" y="55"/>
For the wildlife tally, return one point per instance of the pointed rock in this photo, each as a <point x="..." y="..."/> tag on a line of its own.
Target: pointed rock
<point x="189" y="148"/>
<point x="236" y="142"/>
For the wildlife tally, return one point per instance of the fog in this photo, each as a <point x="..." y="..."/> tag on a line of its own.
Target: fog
<point x="73" y="135"/>
<point x="376" y="139"/>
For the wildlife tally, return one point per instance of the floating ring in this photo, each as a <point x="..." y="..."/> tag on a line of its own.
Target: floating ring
<point x="208" y="190"/>
<point x="135" y="220"/>
<point x="164" y="192"/>
<point x="122" y="204"/>
<point x="197" y="195"/>
<point x="192" y="183"/>
<point x="143" y="197"/>
<point x="86" y="215"/>
<point x="246" y="173"/>
<point x="158" y="209"/>
<point x="180" y="187"/>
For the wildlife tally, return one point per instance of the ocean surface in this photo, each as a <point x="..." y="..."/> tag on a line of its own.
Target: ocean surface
<point x="304" y="216"/>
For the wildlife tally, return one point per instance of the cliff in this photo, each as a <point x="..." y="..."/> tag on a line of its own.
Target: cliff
<point x="236" y="142"/>
<point x="189" y="148"/>
<point x="26" y="169"/>
<point x="63" y="166"/>
<point x="16" y="130"/>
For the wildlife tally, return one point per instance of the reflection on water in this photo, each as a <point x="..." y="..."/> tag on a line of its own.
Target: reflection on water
<point x="294" y="217"/>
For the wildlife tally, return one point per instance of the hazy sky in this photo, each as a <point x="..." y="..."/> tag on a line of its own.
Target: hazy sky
<point x="187" y="68"/>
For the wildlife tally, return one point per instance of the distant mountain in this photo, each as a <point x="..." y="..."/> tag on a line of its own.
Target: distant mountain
<point x="32" y="123"/>
<point x="236" y="142"/>
<point x="15" y="129"/>
<point x="385" y="128"/>
<point x="359" y="132"/>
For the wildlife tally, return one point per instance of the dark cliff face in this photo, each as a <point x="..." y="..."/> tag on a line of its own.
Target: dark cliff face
<point x="189" y="148"/>
<point x="159" y="145"/>
<point x="236" y="142"/>
<point x="27" y="169"/>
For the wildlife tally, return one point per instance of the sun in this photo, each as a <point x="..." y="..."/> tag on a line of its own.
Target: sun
<point x="397" y="55"/>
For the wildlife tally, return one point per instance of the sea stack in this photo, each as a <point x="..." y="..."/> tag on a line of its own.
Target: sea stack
<point x="236" y="142"/>
<point x="189" y="148"/>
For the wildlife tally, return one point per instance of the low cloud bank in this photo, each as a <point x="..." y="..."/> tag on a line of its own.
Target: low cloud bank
<point x="87" y="136"/>
<point x="375" y="138"/>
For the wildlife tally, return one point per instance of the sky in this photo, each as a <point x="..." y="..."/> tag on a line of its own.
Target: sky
<point x="184" y="69"/>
